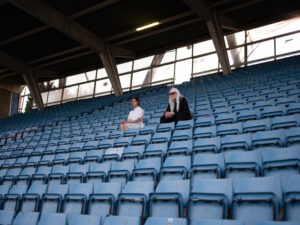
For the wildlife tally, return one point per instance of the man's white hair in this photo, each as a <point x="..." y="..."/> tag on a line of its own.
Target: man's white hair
<point x="172" y="103"/>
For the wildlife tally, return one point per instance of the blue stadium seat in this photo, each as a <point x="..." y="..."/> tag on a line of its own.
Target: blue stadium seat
<point x="207" y="166"/>
<point x="260" y="196"/>
<point x="97" y="172"/>
<point x="76" y="199"/>
<point x="205" y="132"/>
<point x="76" y="157"/>
<point x="156" y="149"/>
<point x="225" y="118"/>
<point x="102" y="201"/>
<point x="53" y="218"/>
<point x="58" y="174"/>
<point x="163" y="127"/>
<point x="132" y="132"/>
<point x="31" y="200"/>
<point x="89" y="137"/>
<point x="218" y="222"/>
<point x="133" y="199"/>
<point x="148" y="129"/>
<point x="112" y="154"/>
<point x="185" y="124"/>
<point x="293" y="136"/>
<point x="11" y="200"/>
<point x="283" y="122"/>
<point x="116" y="134"/>
<point x="120" y="172"/>
<point x="52" y="200"/>
<point x="89" y="145"/>
<point x="106" y="143"/>
<point x="26" y="218"/>
<point x="84" y="219"/>
<point x="291" y="199"/>
<point x="166" y="221"/>
<point x="147" y="170"/>
<point x="133" y="152"/>
<point x="41" y="174"/>
<point x="273" y="111"/>
<point x="61" y="158"/>
<point x="141" y="139"/>
<point x="93" y="156"/>
<point x="293" y="109"/>
<point x="204" y="145"/>
<point x="205" y="121"/>
<point x="102" y="135"/>
<point x="77" y="173"/>
<point x="78" y="146"/>
<point x="181" y="135"/>
<point x="268" y="138"/>
<point x="256" y="125"/>
<point x="117" y="220"/>
<point x="161" y="137"/>
<point x="242" y="164"/>
<point x="169" y="199"/>
<point x="229" y="129"/>
<point x="4" y="188"/>
<point x="180" y="147"/>
<point x="7" y="216"/>
<point x="123" y="141"/>
<point x="210" y="199"/>
<point x="175" y="168"/>
<point x="248" y="115"/>
<point x="281" y="162"/>
<point x="236" y="142"/>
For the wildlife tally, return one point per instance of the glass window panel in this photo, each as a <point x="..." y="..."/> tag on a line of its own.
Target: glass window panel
<point x="183" y="71"/>
<point x="139" y="77"/>
<point x="86" y="89"/>
<point x="76" y="79"/>
<point x="125" y="80"/>
<point x="169" y="57"/>
<point x="70" y="92"/>
<point x="205" y="63"/>
<point x="260" y="50"/>
<point x="101" y="73"/>
<point x="44" y="97"/>
<point x="24" y="103"/>
<point x="163" y="73"/>
<point x="184" y="52"/>
<point x="54" y="96"/>
<point x="124" y="67"/>
<point x="103" y="86"/>
<point x="273" y="29"/>
<point x="91" y="75"/>
<point x="25" y="91"/>
<point x="287" y="44"/>
<point x="233" y="52"/>
<point x="204" y="47"/>
<point x="143" y="63"/>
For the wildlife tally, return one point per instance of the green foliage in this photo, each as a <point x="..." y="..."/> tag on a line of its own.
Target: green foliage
<point x="29" y="104"/>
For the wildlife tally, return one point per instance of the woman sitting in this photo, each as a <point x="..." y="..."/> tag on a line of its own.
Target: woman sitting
<point x="135" y="117"/>
<point x="178" y="108"/>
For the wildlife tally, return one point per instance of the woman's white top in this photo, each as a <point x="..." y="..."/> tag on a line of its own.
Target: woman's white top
<point x="137" y="113"/>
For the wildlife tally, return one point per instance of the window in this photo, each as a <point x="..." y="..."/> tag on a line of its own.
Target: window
<point x="205" y="63"/>
<point x="44" y="97"/>
<point x="54" y="96"/>
<point x="139" y="77"/>
<point x="103" y="86"/>
<point x="142" y="63"/>
<point x="101" y="73"/>
<point x="124" y="67"/>
<point x="204" y="47"/>
<point x="163" y="73"/>
<point x="184" y="52"/>
<point x="86" y="89"/>
<point x="287" y="44"/>
<point x="125" y="80"/>
<point x="91" y="75"/>
<point x="70" y="92"/>
<point x="76" y="79"/>
<point x="260" y="50"/>
<point x="237" y="51"/>
<point x="183" y="71"/>
<point x="168" y="57"/>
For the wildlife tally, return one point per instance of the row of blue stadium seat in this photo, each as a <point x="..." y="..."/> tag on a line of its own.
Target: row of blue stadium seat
<point x="207" y="199"/>
<point x="234" y="164"/>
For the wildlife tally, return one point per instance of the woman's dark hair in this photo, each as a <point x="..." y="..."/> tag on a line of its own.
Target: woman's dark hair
<point x="137" y="99"/>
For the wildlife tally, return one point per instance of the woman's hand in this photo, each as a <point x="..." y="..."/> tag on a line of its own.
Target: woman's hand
<point x="129" y="121"/>
<point x="169" y="114"/>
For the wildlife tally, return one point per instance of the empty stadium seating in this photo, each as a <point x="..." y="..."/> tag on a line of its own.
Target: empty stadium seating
<point x="236" y="162"/>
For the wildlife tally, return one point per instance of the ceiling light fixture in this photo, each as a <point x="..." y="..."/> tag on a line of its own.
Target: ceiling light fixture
<point x="147" y="26"/>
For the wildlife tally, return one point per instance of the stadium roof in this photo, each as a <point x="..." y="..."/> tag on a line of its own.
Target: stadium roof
<point x="58" y="38"/>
